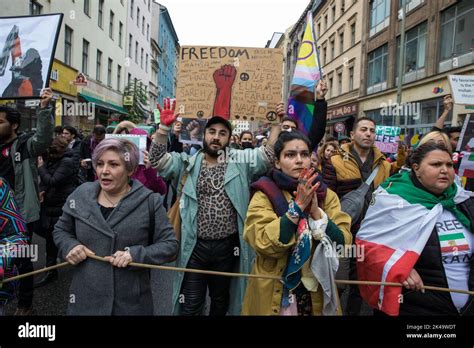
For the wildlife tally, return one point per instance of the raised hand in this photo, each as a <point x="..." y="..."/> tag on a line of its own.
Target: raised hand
<point x="46" y="96"/>
<point x="321" y="90"/>
<point x="167" y="115"/>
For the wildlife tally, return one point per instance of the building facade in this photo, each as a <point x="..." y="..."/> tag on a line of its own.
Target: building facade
<point x="168" y="50"/>
<point x="439" y="41"/>
<point x="139" y="48"/>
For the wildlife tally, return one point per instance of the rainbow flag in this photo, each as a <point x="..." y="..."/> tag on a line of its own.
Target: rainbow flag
<point x="306" y="76"/>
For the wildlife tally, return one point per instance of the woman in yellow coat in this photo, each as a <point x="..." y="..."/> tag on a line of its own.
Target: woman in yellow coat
<point x="294" y="224"/>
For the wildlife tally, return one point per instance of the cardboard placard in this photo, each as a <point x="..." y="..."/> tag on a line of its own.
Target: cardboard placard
<point x="462" y="89"/>
<point x="386" y="138"/>
<point x="138" y="140"/>
<point x="233" y="82"/>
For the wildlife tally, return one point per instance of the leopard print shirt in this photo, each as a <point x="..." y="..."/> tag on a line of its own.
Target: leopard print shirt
<point x="217" y="217"/>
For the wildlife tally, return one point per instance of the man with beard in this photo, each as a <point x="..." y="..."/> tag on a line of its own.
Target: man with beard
<point x="18" y="155"/>
<point x="213" y="207"/>
<point x="353" y="164"/>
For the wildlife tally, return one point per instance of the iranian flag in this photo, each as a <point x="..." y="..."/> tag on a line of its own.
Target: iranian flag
<point x="392" y="236"/>
<point x="466" y="168"/>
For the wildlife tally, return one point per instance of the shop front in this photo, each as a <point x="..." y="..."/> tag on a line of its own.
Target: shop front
<point x="340" y="119"/>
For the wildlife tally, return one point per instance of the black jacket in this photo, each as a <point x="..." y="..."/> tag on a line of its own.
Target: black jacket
<point x="58" y="180"/>
<point x="431" y="270"/>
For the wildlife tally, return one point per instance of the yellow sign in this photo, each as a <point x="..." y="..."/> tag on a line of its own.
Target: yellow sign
<point x="128" y="100"/>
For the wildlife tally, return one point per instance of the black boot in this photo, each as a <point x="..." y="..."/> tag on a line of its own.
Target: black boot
<point x="47" y="278"/>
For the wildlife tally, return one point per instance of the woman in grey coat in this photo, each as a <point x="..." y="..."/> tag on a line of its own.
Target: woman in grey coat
<point x="111" y="217"/>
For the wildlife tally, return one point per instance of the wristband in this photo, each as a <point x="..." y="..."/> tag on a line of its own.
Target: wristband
<point x="163" y="127"/>
<point x="294" y="210"/>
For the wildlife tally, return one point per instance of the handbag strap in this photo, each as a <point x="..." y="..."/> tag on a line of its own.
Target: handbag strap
<point x="181" y="185"/>
<point x="151" y="212"/>
<point x="372" y="175"/>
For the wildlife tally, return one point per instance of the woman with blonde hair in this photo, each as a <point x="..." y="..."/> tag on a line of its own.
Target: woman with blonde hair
<point x="437" y="137"/>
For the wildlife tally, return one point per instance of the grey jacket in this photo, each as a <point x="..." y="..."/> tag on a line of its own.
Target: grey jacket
<point x="97" y="287"/>
<point x="24" y="153"/>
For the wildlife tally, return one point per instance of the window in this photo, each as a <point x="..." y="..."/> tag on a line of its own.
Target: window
<point x="339" y="83"/>
<point x="333" y="10"/>
<point x="111" y="25"/>
<point x="377" y="69"/>
<point x="331" y="47"/>
<point x="324" y="55"/>
<point x="138" y="17"/>
<point x="379" y="15"/>
<point x="120" y="34"/>
<point x="143" y="25"/>
<point x="325" y="22"/>
<point x="351" y="78"/>
<point x="131" y="8"/>
<point x="415" y="51"/>
<point x="410" y="4"/>
<point x="98" y="66"/>
<point x="341" y="42"/>
<point x="148" y="32"/>
<point x="68" y="46"/>
<point x="35" y="8"/>
<point x="318" y="34"/>
<point x="353" y="34"/>
<point x="136" y="52"/>
<point x="119" y="76"/>
<point x="457" y="36"/>
<point x="87" y="7"/>
<point x="101" y="13"/>
<point x="149" y="4"/>
<point x="130" y="41"/>
<point x="141" y="59"/>
<point x="109" y="73"/>
<point x="330" y="88"/>
<point x="146" y="63"/>
<point x="343" y="6"/>
<point x="129" y="79"/>
<point x="85" y="56"/>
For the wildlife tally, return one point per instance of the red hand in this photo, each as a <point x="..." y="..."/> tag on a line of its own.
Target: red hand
<point x="167" y="116"/>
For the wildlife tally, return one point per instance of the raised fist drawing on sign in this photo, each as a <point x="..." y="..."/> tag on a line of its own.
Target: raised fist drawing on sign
<point x="224" y="79"/>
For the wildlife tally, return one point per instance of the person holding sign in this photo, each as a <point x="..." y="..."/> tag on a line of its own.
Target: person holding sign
<point x="213" y="206"/>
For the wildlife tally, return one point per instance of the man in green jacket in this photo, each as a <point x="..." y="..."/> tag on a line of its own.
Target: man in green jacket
<point x="213" y="207"/>
<point x="18" y="156"/>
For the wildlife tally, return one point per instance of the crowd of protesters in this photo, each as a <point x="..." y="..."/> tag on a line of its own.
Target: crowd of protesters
<point x="282" y="214"/>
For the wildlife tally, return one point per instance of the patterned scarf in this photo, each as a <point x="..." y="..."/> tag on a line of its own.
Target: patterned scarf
<point x="272" y="186"/>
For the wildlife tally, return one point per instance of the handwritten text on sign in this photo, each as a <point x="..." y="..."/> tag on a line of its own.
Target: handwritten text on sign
<point x="234" y="82"/>
<point x="386" y="138"/>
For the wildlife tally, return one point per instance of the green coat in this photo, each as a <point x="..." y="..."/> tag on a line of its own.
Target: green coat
<point x="24" y="153"/>
<point x="238" y="178"/>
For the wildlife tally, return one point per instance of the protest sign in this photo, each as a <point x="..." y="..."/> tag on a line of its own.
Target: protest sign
<point x="233" y="82"/>
<point x="462" y="89"/>
<point x="386" y="138"/>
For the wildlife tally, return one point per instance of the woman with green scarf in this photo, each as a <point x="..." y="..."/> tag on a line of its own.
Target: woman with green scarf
<point x="418" y="232"/>
<point x="295" y="224"/>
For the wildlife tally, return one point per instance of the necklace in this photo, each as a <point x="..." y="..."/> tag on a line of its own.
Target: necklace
<point x="117" y="202"/>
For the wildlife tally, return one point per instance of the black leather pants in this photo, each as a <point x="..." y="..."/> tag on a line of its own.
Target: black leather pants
<point x="213" y="255"/>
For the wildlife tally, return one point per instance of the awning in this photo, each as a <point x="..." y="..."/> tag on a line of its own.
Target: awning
<point x="103" y="104"/>
<point x="339" y="119"/>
